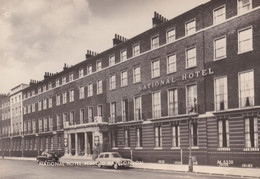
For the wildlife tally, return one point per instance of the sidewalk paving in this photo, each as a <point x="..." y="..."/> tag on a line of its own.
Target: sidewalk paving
<point x="197" y="169"/>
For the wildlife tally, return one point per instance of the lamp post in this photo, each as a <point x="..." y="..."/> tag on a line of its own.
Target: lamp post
<point x="190" y="157"/>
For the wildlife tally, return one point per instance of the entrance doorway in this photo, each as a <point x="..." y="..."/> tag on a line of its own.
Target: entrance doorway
<point x="90" y="143"/>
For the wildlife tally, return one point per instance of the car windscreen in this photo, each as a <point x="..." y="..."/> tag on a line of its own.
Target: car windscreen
<point x="116" y="155"/>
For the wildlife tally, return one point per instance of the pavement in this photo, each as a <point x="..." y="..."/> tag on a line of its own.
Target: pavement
<point x="197" y="169"/>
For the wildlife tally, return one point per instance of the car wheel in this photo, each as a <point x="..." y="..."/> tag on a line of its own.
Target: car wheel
<point x="115" y="166"/>
<point x="38" y="161"/>
<point x="99" y="165"/>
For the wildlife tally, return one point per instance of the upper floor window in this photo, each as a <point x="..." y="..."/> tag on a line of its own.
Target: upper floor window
<point x="50" y="102"/>
<point x="45" y="103"/>
<point x="112" y="112"/>
<point x="221" y="93"/>
<point x="81" y="72"/>
<point x="81" y="92"/>
<point x="44" y="88"/>
<point x="155" y="42"/>
<point x="246" y="89"/>
<point x="191" y="98"/>
<point x="125" y="110"/>
<point x="155" y="68"/>
<point x="99" y="110"/>
<point x="33" y="107"/>
<point x="89" y="69"/>
<point x="90" y="114"/>
<point x="138" y="108"/>
<point x="123" y="56"/>
<point x="220" y="48"/>
<point x="190" y="27"/>
<point x="136" y="50"/>
<point x="33" y="92"/>
<point x="57" y="82"/>
<point x="58" y="99"/>
<point x="99" y="87"/>
<point x="245" y="40"/>
<point x="90" y="89"/>
<point x="170" y="35"/>
<point x="71" y="77"/>
<point x="49" y="86"/>
<point x="124" y="80"/>
<point x="171" y="63"/>
<point x="64" y="80"/>
<point x="99" y="65"/>
<point x="244" y="6"/>
<point x="219" y="15"/>
<point x="39" y="90"/>
<point x="223" y="133"/>
<point x="156" y="101"/>
<point x="251" y="132"/>
<point x="71" y="95"/>
<point x="39" y="105"/>
<point x="112" y="82"/>
<point x="136" y="74"/>
<point x="64" y="97"/>
<point x="191" y="60"/>
<point x="172" y="102"/>
<point x="112" y="60"/>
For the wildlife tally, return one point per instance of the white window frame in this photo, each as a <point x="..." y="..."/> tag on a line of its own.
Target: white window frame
<point x="81" y="92"/>
<point x="90" y="89"/>
<point x="123" y="57"/>
<point x="225" y="93"/>
<point x="224" y="48"/>
<point x="81" y="72"/>
<point x="175" y="112"/>
<point x="64" y="80"/>
<point x="155" y="75"/>
<point x="89" y="69"/>
<point x="136" y="76"/>
<point x="99" y="65"/>
<point x="216" y="17"/>
<point x="64" y="97"/>
<point x="188" y="31"/>
<point x="136" y="52"/>
<point x="155" y="45"/>
<point x="169" y="65"/>
<point x="251" y="43"/>
<point x="170" y="39"/>
<point x="186" y="57"/>
<point x="112" y="84"/>
<point x="72" y="98"/>
<point x="124" y="80"/>
<point x="239" y="11"/>
<point x="135" y="109"/>
<point x="239" y="88"/>
<point x="158" y="136"/>
<point x="99" y="87"/>
<point x="157" y="113"/>
<point x="71" y="77"/>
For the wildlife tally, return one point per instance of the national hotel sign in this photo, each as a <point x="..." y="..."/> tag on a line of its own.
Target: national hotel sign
<point x="172" y="80"/>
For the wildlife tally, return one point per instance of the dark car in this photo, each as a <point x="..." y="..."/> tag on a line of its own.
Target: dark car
<point x="47" y="157"/>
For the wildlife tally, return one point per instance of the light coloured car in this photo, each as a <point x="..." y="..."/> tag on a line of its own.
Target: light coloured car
<point x="112" y="159"/>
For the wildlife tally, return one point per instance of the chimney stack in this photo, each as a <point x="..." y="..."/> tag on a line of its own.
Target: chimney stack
<point x="32" y="82"/>
<point x="90" y="54"/>
<point x="158" y="19"/>
<point x="118" y="39"/>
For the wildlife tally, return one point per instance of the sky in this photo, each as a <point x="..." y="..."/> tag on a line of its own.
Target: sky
<point x="38" y="36"/>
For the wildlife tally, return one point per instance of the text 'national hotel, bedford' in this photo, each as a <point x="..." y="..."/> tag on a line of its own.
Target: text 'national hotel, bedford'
<point x="139" y="97"/>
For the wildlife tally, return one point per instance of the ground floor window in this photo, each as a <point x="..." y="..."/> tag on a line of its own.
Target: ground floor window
<point x="223" y="133"/>
<point x="175" y="136"/>
<point x="114" y="139"/>
<point x="194" y="134"/>
<point x="251" y="132"/>
<point x="158" y="136"/>
<point x="139" y="140"/>
<point x="127" y="137"/>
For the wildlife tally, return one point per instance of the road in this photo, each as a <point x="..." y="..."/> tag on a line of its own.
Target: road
<point x="12" y="169"/>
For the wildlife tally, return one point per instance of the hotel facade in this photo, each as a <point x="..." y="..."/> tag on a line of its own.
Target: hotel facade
<point x="139" y="97"/>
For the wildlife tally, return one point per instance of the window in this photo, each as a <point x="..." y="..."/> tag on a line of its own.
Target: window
<point x="175" y="136"/>
<point x="223" y="133"/>
<point x="65" y="117"/>
<point x="194" y="134"/>
<point x="58" y="99"/>
<point x="136" y="50"/>
<point x="190" y="27"/>
<point x="39" y="105"/>
<point x="245" y="40"/>
<point x="64" y="97"/>
<point x="170" y="35"/>
<point x="50" y="102"/>
<point x="64" y="80"/>
<point x="99" y="65"/>
<point x="155" y="42"/>
<point x="172" y="102"/>
<point x="139" y="138"/>
<point x="220" y="48"/>
<point x="156" y="104"/>
<point x="114" y="138"/>
<point x="124" y="80"/>
<point x="82" y="116"/>
<point x="112" y="82"/>
<point x="90" y="114"/>
<point x="99" y="87"/>
<point x="90" y="89"/>
<point x="44" y="88"/>
<point x="29" y="109"/>
<point x="112" y="60"/>
<point x="244" y="6"/>
<point x="40" y="125"/>
<point x="158" y="136"/>
<point x="136" y="74"/>
<point x="99" y="110"/>
<point x="58" y="121"/>
<point x="45" y="124"/>
<point x="49" y="86"/>
<point x="39" y="90"/>
<point x="50" y="123"/>
<point x="71" y="95"/>
<point x="57" y="82"/>
<point x="138" y="108"/>
<point x="155" y="68"/>
<point x="72" y="122"/>
<point x="71" y="77"/>
<point x="89" y="69"/>
<point x="191" y="98"/>
<point x="33" y="92"/>
<point x="191" y="57"/>
<point x="123" y="56"/>
<point x="113" y="112"/>
<point x="125" y="110"/>
<point x="81" y="72"/>
<point x="34" y="126"/>
<point x="81" y="92"/>
<point x="251" y="132"/>
<point x="219" y="15"/>
<point x="221" y="94"/>
<point x="246" y="89"/>
<point x="51" y="143"/>
<point x="171" y="63"/>
<point x="33" y="107"/>
<point x="45" y="103"/>
<point x="127" y="138"/>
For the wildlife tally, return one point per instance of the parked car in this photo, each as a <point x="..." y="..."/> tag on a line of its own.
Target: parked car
<point x="47" y="157"/>
<point x="113" y="159"/>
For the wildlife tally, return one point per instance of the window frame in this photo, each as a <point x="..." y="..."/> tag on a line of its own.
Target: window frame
<point x="122" y="56"/>
<point x="239" y="86"/>
<point x="167" y="63"/>
<point x="153" y="105"/>
<point x="153" y="70"/>
<point x="238" y="40"/>
<point x="186" y="57"/>
<point x="239" y="12"/>
<point x="215" y="22"/>
<point x="124" y="80"/>
<point x="170" y="37"/>
<point x="136" y="53"/>
<point x="157" y="45"/>
<point x="187" y="33"/>
<point x="225" y="95"/>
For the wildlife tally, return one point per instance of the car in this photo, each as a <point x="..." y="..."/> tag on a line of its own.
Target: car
<point x="47" y="157"/>
<point x="112" y="159"/>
